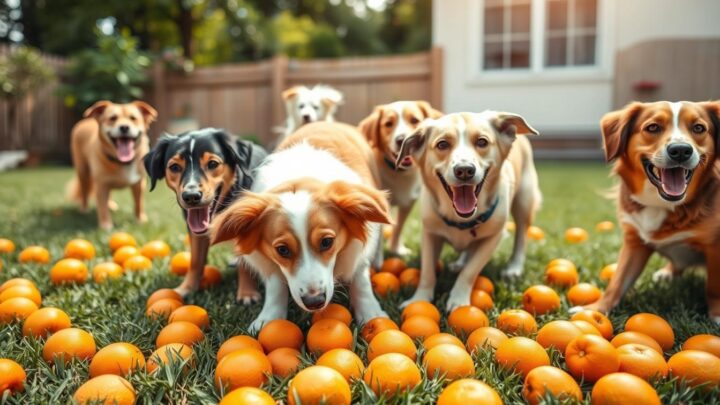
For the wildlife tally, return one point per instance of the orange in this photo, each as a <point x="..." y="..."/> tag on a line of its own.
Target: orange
<point x="117" y="358"/>
<point x="163" y="308"/>
<point x="394" y="265"/>
<point x="45" y="321"/>
<point x="596" y="319"/>
<point x="469" y="391"/>
<point x="642" y="361"/>
<point x="540" y="299"/>
<point x="583" y="294"/>
<point x="466" y="319"/>
<point x="174" y="353"/>
<point x="328" y="334"/>
<point x="557" y="334"/>
<point x="80" y="249"/>
<point x="604" y="226"/>
<point x="441" y="339"/>
<point x="186" y="240"/>
<point x="16" y="282"/>
<point x="191" y="313"/>
<point x="696" y="367"/>
<point x="561" y="262"/>
<point x="608" y="271"/>
<point x="576" y="235"/>
<point x="34" y="254"/>
<point x="485" y="284"/>
<point x="18" y="308"/>
<point x="545" y="380"/>
<point x="482" y="300"/>
<point x="423" y="308"/>
<point x="392" y="372"/>
<point x="653" y="326"/>
<point x="485" y="336"/>
<point x="419" y="327"/>
<point x="622" y="389"/>
<point x="179" y="332"/>
<point x="25" y="291"/>
<point x="561" y="275"/>
<point x="391" y="341"/>
<point x="636" y="337"/>
<point x="535" y="233"/>
<point x="242" y="368"/>
<point x="516" y="321"/>
<point x="387" y="232"/>
<point x="247" y="396"/>
<point x="586" y="327"/>
<point x="409" y="277"/>
<point x="211" y="277"/>
<point x="236" y="343"/>
<point x="318" y="385"/>
<point x="12" y="377"/>
<point x="68" y="271"/>
<point x="120" y="239"/>
<point x="6" y="246"/>
<point x="137" y="263"/>
<point x="180" y="263"/>
<point x="333" y="311"/>
<point x="280" y="333"/>
<point x="123" y="253"/>
<point x="163" y="293"/>
<point x="285" y="361"/>
<point x="449" y="361"/>
<point x="111" y="389"/>
<point x="521" y="355"/>
<point x="705" y="343"/>
<point x="107" y="270"/>
<point x="375" y="326"/>
<point x="155" y="249"/>
<point x="383" y="283"/>
<point x="343" y="361"/>
<point x="591" y="357"/>
<point x="68" y="343"/>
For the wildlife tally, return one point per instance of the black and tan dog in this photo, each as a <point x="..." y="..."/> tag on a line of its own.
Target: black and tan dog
<point x="207" y="169"/>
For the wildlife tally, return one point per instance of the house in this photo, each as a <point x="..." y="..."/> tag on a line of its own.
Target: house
<point x="564" y="63"/>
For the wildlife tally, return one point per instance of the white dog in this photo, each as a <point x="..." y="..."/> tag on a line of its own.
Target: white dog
<point x="304" y="105"/>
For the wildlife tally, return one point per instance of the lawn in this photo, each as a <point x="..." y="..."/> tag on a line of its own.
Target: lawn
<point x="33" y="211"/>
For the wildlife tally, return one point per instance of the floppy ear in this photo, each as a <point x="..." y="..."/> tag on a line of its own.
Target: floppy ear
<point x="414" y="144"/>
<point x="359" y="204"/>
<point x="427" y="110"/>
<point x="510" y="124"/>
<point x="713" y="110"/>
<point x="616" y="127"/>
<point x="228" y="145"/>
<point x="148" y="112"/>
<point x="155" y="160"/>
<point x="241" y="222"/>
<point x="96" y="109"/>
<point x="370" y="126"/>
<point x="290" y="93"/>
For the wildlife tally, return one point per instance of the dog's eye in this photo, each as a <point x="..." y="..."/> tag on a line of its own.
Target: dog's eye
<point x="283" y="251"/>
<point x="481" y="143"/>
<point x="316" y="106"/>
<point x="653" y="128"/>
<point x="326" y="243"/>
<point x="301" y="105"/>
<point x="213" y="164"/>
<point x="388" y="124"/>
<point x="175" y="168"/>
<point x="414" y="120"/>
<point x="698" y="128"/>
<point x="113" y="118"/>
<point x="132" y="118"/>
<point x="443" y="145"/>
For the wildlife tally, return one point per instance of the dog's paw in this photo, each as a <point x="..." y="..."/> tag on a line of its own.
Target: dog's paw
<point x="402" y="250"/>
<point x="106" y="225"/>
<point x="112" y="205"/>
<point x="423" y="294"/>
<point x="512" y="272"/>
<point x="576" y="309"/>
<point x="185" y="289"/>
<point x="247" y="297"/>
<point x="362" y="315"/>
<point x="663" y="275"/>
<point x="142" y="218"/>
<point x="454" y="301"/>
<point x="263" y="318"/>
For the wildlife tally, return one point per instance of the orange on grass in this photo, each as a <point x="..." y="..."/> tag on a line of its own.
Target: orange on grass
<point x="596" y="319"/>
<point x="466" y="319"/>
<point x="583" y="294"/>
<point x="327" y="334"/>
<point x="387" y="231"/>
<point x="540" y="299"/>
<point x="180" y="263"/>
<point x="236" y="343"/>
<point x="485" y="284"/>
<point x="6" y="246"/>
<point x="469" y="391"/>
<point x="450" y="361"/>
<point x="622" y="389"/>
<point x="604" y="226"/>
<point x="285" y="361"/>
<point x="117" y="358"/>
<point x="394" y="265"/>
<point x="12" y="377"/>
<point x="120" y="239"/>
<point x="561" y="275"/>
<point x="485" y="336"/>
<point x="109" y="389"/>
<point x="343" y="361"/>
<point x="545" y="380"/>
<point x="586" y="327"/>
<point x="34" y="254"/>
<point x="280" y="333"/>
<point x="163" y="307"/>
<point x="211" y="277"/>
<point x="155" y="249"/>
<point x="516" y="322"/>
<point x="591" y="357"/>
<point x="419" y="327"/>
<point x="179" y="332"/>
<point x="409" y="277"/>
<point x="391" y="341"/>
<point x="80" y="249"/>
<point x="608" y="271"/>
<point x="375" y="326"/>
<point x="137" y="263"/>
<point x="191" y="313"/>
<point x="13" y="282"/>
<point x="318" y="385"/>
<point x="107" y="270"/>
<point x="123" y="253"/>
<point x="535" y="233"/>
<point x="45" y="321"/>
<point x="25" y="291"/>
<point x="68" y="271"/>
<point x="242" y="368"/>
<point x="696" y="367"/>
<point x="18" y="308"/>
<point x="174" y="353"/>
<point x="423" y="308"/>
<point x="383" y="283"/>
<point x="392" y="372"/>
<point x="247" y="396"/>
<point x="163" y="293"/>
<point x="333" y="311"/>
<point x="521" y="355"/>
<point x="705" y="343"/>
<point x="68" y="343"/>
<point x="561" y="262"/>
<point x="642" y="361"/>
<point x="653" y="326"/>
<point x="576" y="235"/>
<point x="636" y="337"/>
<point x="557" y="334"/>
<point x="441" y="339"/>
<point x="482" y="300"/>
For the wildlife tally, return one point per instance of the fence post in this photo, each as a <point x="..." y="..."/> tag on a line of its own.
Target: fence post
<point x="160" y="100"/>
<point x="436" y="77"/>
<point x="279" y="70"/>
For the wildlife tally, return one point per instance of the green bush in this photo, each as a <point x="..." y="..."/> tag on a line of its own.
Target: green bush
<point x="22" y="72"/>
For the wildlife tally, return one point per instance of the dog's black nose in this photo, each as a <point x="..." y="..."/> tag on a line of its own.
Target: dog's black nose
<point x="399" y="140"/>
<point x="464" y="172"/>
<point x="313" y="302"/>
<point x="192" y="197"/>
<point x="306" y="118"/>
<point x="680" y="151"/>
<point x="124" y="129"/>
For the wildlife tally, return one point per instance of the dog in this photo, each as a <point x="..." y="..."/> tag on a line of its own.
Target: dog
<point x="207" y="169"/>
<point x="385" y="130"/>
<point x="107" y="149"/>
<point x="313" y="217"/>
<point x="304" y="105"/>
<point x="475" y="171"/>
<point x="666" y="155"/>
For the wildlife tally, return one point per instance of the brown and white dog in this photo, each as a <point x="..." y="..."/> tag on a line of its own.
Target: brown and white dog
<point x="107" y="149"/>
<point x="313" y="217"/>
<point x="667" y="159"/>
<point x="304" y="105"/>
<point x="475" y="171"/>
<point x="385" y="130"/>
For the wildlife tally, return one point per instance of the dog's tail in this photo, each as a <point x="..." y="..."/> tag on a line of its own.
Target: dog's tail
<point x="73" y="192"/>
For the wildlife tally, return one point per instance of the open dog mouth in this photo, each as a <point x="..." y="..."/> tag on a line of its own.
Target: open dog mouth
<point x="198" y="218"/>
<point x="405" y="163"/>
<point x="464" y="196"/>
<point x="671" y="182"/>
<point x="125" y="148"/>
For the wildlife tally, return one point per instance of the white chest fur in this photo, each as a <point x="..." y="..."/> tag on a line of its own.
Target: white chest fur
<point x="648" y="220"/>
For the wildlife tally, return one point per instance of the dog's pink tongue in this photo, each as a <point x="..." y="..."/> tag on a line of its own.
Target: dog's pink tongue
<point x="673" y="181"/>
<point x="125" y="149"/>
<point x="407" y="161"/>
<point x="198" y="219"/>
<point x="464" y="199"/>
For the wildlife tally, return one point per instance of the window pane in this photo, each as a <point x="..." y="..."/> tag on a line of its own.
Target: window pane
<point x="585" y="13"/>
<point x="557" y="14"/>
<point x="493" y="20"/>
<point x="556" y="52"/>
<point x="520" y="54"/>
<point x="520" y="18"/>
<point x="584" y="50"/>
<point x="493" y="55"/>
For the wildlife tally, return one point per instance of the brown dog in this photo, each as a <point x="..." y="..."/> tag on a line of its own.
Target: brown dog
<point x="667" y="158"/>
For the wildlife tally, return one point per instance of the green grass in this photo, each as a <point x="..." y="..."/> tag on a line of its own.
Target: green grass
<point x="33" y="211"/>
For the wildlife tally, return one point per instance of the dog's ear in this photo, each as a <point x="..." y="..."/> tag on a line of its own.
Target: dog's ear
<point x="510" y="125"/>
<point x="427" y="110"/>
<point x="148" y="112"/>
<point x="241" y="222"/>
<point x="330" y="95"/>
<point x="713" y="110"/>
<point x="370" y="126"/>
<point x="414" y="144"/>
<point x="290" y="93"/>
<point x="229" y="146"/>
<point x="617" y="127"/>
<point x="155" y="160"/>
<point x="359" y="204"/>
<point x="97" y="109"/>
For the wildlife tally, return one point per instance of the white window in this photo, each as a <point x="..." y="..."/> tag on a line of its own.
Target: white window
<point x="570" y="32"/>
<point x="506" y="34"/>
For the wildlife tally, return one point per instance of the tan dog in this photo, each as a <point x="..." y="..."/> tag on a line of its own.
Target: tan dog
<point x="304" y="105"/>
<point x="385" y="130"/>
<point x="667" y="159"/>
<point x="475" y="173"/>
<point x="107" y="149"/>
